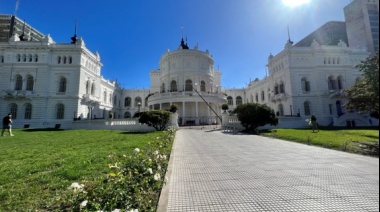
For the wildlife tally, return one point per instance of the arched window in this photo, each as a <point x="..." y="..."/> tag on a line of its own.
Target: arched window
<point x="30" y="57"/>
<point x="93" y="89"/>
<point x="339" y="109"/>
<point x="18" y="58"/>
<point x="163" y="88"/>
<point x="29" y="83"/>
<point x="114" y="100"/>
<point x="280" y="110"/>
<point x="257" y="97"/>
<point x="127" y="102"/>
<point x="28" y="111"/>
<point x="64" y="60"/>
<point x="332" y="83"/>
<point x="1" y="59"/>
<point x="127" y="115"/>
<point x="36" y="58"/>
<point x="62" y="84"/>
<point x="59" y="60"/>
<point x="13" y="110"/>
<point x="262" y="96"/>
<point x="189" y="85"/>
<point x="230" y="100"/>
<point x="24" y="57"/>
<point x="282" y="87"/>
<point x="305" y="85"/>
<point x="276" y="89"/>
<point x="87" y="87"/>
<point x="105" y="97"/>
<point x="173" y="86"/>
<point x="203" y="86"/>
<point x="110" y="98"/>
<point x="239" y="100"/>
<point x="60" y="111"/>
<point x="137" y="101"/>
<point x="340" y="83"/>
<point x="251" y="98"/>
<point x="18" y="84"/>
<point x="306" y="107"/>
<point x="70" y="60"/>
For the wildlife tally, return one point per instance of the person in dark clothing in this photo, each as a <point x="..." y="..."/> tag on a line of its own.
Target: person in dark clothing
<point x="314" y="124"/>
<point x="7" y="124"/>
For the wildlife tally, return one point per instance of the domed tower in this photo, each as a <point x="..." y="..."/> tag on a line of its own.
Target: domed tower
<point x="187" y="78"/>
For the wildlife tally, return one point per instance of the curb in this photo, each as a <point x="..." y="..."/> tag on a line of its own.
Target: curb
<point x="164" y="196"/>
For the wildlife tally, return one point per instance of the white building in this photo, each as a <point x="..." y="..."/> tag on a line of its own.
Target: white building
<point x="308" y="80"/>
<point x="47" y="84"/>
<point x="187" y="78"/>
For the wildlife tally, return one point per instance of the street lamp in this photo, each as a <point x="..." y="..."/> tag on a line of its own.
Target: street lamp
<point x="138" y="106"/>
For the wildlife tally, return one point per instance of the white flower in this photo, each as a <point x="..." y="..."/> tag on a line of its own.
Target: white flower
<point x="76" y="187"/>
<point x="155" y="152"/>
<point x="159" y="167"/>
<point x="158" y="138"/>
<point x="137" y="150"/>
<point x="114" y="166"/>
<point x="150" y="170"/>
<point x="125" y="156"/>
<point x="116" y="210"/>
<point x="157" y="176"/>
<point x="83" y="204"/>
<point x="134" y="210"/>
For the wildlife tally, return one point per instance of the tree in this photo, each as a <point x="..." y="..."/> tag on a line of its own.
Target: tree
<point x="156" y="118"/>
<point x="173" y="108"/>
<point x="225" y="107"/>
<point x="253" y="115"/>
<point x="364" y="95"/>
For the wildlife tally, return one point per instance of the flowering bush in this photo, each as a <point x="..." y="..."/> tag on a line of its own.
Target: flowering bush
<point x="133" y="183"/>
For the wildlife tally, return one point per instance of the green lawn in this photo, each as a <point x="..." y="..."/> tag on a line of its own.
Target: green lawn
<point x="37" y="164"/>
<point x="351" y="140"/>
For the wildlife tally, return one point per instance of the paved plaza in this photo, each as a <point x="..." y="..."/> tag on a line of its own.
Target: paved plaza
<point x="214" y="171"/>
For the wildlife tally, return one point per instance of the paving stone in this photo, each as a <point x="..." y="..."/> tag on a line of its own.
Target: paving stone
<point x="213" y="171"/>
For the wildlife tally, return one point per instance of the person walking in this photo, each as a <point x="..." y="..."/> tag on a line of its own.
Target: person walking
<point x="7" y="124"/>
<point x="314" y="124"/>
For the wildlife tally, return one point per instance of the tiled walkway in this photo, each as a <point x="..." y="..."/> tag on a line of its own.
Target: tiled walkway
<point x="213" y="171"/>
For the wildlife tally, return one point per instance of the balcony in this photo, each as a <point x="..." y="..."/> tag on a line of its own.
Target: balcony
<point x="279" y="97"/>
<point x="187" y="96"/>
<point x="91" y="99"/>
<point x="336" y="93"/>
<point x="12" y="94"/>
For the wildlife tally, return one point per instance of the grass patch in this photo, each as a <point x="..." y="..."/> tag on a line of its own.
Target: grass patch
<point x="350" y="140"/>
<point x="35" y="165"/>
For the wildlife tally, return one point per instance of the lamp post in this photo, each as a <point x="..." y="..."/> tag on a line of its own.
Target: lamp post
<point x="138" y="106"/>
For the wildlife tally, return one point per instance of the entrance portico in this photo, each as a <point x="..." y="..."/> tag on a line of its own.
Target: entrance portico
<point x="192" y="110"/>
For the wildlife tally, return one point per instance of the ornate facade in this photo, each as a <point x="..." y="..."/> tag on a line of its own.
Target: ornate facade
<point x="47" y="84"/>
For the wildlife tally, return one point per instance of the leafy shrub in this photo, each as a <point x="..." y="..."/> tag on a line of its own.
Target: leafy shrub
<point x="253" y="115"/>
<point x="225" y="107"/>
<point x="156" y="118"/>
<point x="134" y="182"/>
<point x="173" y="108"/>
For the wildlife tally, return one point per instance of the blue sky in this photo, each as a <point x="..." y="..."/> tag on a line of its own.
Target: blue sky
<point x="131" y="35"/>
